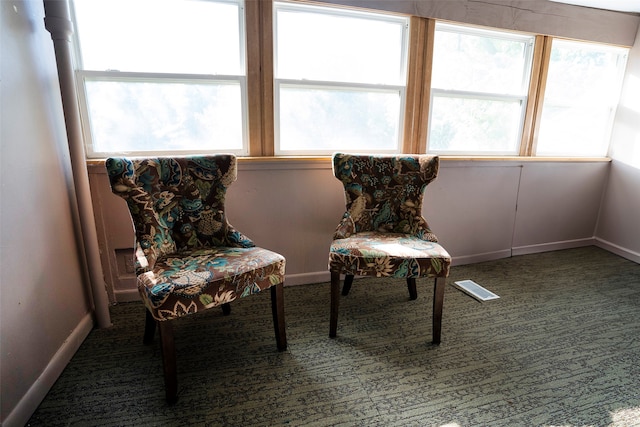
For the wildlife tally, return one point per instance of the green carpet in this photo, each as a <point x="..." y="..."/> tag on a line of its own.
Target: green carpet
<point x="561" y="347"/>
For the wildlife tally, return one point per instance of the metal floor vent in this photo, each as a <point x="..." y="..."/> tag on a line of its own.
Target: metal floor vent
<point x="471" y="288"/>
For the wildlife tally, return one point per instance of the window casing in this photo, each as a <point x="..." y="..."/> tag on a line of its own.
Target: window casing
<point x="342" y="89"/>
<point x="169" y="77"/>
<point x="479" y="90"/>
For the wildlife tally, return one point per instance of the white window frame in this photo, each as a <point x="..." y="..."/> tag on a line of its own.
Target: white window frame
<point x="529" y="40"/>
<point x="82" y="76"/>
<point x="399" y="89"/>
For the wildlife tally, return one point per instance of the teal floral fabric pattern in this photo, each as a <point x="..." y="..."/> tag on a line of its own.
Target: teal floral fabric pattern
<point x="383" y="232"/>
<point x="188" y="256"/>
<point x="384" y="193"/>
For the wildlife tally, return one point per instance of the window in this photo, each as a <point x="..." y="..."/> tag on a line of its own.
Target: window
<point x="340" y="79"/>
<point x="479" y="87"/>
<point x="582" y="90"/>
<point x="157" y="75"/>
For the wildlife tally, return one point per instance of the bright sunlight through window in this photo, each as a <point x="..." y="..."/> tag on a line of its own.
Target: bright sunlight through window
<point x="159" y="76"/>
<point x="338" y="89"/>
<point x="478" y="90"/>
<point x="582" y="90"/>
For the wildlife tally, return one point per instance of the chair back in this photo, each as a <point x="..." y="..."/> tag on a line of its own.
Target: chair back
<point x="384" y="193"/>
<point x="177" y="204"/>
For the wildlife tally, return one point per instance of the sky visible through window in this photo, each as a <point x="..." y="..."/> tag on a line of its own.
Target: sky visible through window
<point x="342" y="88"/>
<point x="162" y="75"/>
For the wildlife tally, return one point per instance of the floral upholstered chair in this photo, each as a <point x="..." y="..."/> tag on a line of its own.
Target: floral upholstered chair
<point x="189" y="258"/>
<point x="383" y="233"/>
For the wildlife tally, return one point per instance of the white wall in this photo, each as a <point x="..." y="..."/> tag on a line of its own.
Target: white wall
<point x="480" y="210"/>
<point x="619" y="225"/>
<point x="44" y="311"/>
<point x="485" y="210"/>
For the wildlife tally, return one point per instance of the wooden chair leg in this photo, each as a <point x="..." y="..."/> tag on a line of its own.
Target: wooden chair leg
<point x="348" y="281"/>
<point x="150" y="325"/>
<point x="411" y="285"/>
<point x="168" y="347"/>
<point x="226" y="309"/>
<point x="438" y="300"/>
<point x="335" y="301"/>
<point x="277" y="308"/>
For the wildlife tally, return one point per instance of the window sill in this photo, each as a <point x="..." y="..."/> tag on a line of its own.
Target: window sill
<point x="443" y="158"/>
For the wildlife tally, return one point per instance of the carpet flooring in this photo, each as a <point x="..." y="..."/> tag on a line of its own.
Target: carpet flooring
<point x="561" y="347"/>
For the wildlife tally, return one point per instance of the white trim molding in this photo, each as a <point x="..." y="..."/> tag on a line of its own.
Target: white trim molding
<point x="552" y="246"/>
<point x="28" y="404"/>
<point x="618" y="250"/>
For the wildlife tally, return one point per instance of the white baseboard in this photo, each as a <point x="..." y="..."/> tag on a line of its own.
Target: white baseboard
<point x="126" y="295"/>
<point x="618" y="250"/>
<point x="27" y="405"/>
<point x="553" y="246"/>
<point x="307" y="278"/>
<point x="486" y="256"/>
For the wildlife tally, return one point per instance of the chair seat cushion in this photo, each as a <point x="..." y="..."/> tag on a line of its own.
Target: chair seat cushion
<point x="186" y="282"/>
<point x="388" y="254"/>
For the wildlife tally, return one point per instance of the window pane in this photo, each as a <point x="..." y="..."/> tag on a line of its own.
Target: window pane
<point x="464" y="125"/>
<point x="340" y="80"/>
<point x="582" y="90"/>
<point x="577" y="131"/>
<point x="160" y="36"/>
<point x="143" y="116"/>
<point x="480" y="62"/>
<point x="325" y="120"/>
<point x="320" y="44"/>
<point x="479" y="90"/>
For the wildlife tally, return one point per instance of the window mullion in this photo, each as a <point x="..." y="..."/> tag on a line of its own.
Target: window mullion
<point x="542" y="56"/>
<point x="423" y="124"/>
<point x="267" y="73"/>
<point x="418" y="84"/>
<point x="256" y="38"/>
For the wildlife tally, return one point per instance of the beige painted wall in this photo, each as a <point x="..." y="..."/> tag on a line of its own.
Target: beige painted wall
<point x="619" y="225"/>
<point x="479" y="209"/>
<point x="44" y="314"/>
